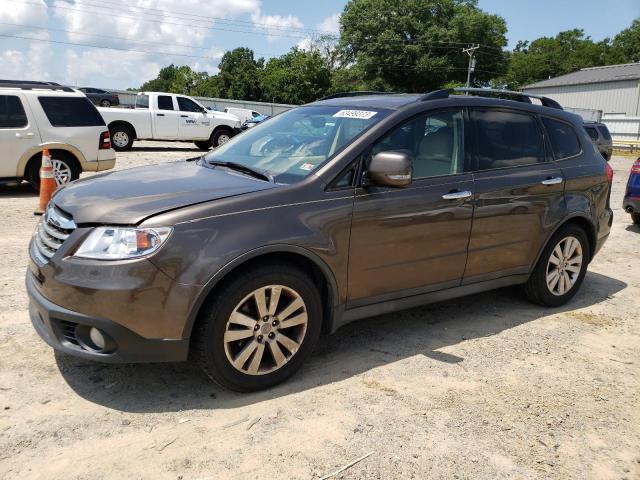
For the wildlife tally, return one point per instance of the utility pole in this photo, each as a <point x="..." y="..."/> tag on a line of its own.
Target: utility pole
<point x="472" y="61"/>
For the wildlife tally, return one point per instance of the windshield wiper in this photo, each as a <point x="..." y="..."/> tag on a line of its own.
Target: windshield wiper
<point x="243" y="168"/>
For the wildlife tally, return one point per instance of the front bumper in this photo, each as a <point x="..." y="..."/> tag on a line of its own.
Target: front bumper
<point x="63" y="330"/>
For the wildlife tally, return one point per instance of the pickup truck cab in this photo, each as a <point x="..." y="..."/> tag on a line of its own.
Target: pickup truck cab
<point x="169" y="117"/>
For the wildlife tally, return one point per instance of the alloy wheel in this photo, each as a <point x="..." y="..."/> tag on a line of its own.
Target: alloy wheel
<point x="61" y="172"/>
<point x="564" y="266"/>
<point x="265" y="330"/>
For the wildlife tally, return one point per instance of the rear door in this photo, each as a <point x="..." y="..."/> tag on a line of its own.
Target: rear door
<point x="519" y="197"/>
<point x="407" y="241"/>
<point x="18" y="132"/>
<point x="167" y="118"/>
<point x="194" y="125"/>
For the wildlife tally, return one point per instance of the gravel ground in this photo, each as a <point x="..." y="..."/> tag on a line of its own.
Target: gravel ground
<point x="483" y="387"/>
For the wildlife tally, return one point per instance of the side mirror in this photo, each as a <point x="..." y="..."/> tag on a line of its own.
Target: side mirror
<point x="204" y="110"/>
<point x="391" y="169"/>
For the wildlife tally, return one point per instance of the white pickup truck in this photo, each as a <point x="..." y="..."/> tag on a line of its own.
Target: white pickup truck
<point x="171" y="117"/>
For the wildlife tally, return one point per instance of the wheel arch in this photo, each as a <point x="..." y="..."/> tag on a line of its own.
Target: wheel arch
<point x="36" y="152"/>
<point x="308" y="261"/>
<point x="52" y="151"/>
<point x="123" y="123"/>
<point x="582" y="221"/>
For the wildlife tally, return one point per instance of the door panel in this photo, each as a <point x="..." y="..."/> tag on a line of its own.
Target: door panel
<point x="409" y="241"/>
<point x="193" y="123"/>
<point x="167" y="119"/>
<point x="516" y="207"/>
<point x="18" y="132"/>
<point x="413" y="240"/>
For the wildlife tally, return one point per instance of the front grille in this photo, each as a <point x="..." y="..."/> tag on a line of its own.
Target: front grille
<point x="54" y="228"/>
<point x="69" y="331"/>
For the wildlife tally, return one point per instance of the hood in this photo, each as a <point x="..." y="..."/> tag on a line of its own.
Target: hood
<point x="129" y="196"/>
<point x="224" y="116"/>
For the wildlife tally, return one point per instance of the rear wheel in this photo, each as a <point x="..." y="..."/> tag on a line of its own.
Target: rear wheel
<point x="105" y="103"/>
<point x="635" y="218"/>
<point x="560" y="269"/>
<point x="65" y="169"/>
<point x="121" y="137"/>
<point x="259" y="329"/>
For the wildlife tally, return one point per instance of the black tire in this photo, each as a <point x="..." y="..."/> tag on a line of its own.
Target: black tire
<point x="635" y="218"/>
<point x="207" y="339"/>
<point x="203" y="145"/>
<point x="218" y="134"/>
<point x="105" y="103"/>
<point x="124" y="139"/>
<point x="33" y="169"/>
<point x="536" y="288"/>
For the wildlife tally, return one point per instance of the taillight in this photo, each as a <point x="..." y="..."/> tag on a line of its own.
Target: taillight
<point x="609" y="171"/>
<point x="635" y="168"/>
<point x="105" y="141"/>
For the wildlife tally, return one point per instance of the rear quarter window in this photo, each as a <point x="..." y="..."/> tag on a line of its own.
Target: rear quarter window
<point x="593" y="133"/>
<point x="563" y="138"/>
<point x="604" y="131"/>
<point x="70" y="112"/>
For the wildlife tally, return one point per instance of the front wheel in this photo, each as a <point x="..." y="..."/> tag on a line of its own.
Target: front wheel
<point x="258" y="330"/>
<point x="560" y="269"/>
<point x="635" y="218"/>
<point x="220" y="137"/>
<point x="105" y="103"/>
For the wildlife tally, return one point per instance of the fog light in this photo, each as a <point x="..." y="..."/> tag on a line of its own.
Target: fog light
<point x="97" y="338"/>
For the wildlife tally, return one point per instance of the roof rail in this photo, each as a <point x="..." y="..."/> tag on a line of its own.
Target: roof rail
<point x="518" y="96"/>
<point x="355" y="93"/>
<point x="31" y="85"/>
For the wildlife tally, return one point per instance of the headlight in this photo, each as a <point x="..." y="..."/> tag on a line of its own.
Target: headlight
<point x="116" y="243"/>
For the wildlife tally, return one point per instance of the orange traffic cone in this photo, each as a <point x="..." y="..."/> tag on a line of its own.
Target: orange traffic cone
<point x="47" y="182"/>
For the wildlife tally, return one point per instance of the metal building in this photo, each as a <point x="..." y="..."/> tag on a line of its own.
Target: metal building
<point x="612" y="89"/>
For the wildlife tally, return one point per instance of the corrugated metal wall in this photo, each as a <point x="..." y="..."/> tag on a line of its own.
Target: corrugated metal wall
<point x="129" y="98"/>
<point x="610" y="97"/>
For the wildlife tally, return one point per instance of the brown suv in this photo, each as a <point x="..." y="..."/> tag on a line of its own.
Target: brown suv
<point x="342" y="209"/>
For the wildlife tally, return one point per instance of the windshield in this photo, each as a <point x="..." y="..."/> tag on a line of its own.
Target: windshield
<point x="290" y="146"/>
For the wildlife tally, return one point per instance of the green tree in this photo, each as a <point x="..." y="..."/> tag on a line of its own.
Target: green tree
<point x="296" y="77"/>
<point x="415" y="45"/>
<point x="549" y="57"/>
<point x="174" y="79"/>
<point x="239" y="76"/>
<point x="625" y="47"/>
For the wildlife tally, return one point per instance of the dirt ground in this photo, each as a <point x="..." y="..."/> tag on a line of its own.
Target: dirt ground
<point x="484" y="387"/>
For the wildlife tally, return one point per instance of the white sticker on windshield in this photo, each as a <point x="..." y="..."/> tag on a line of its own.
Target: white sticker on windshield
<point x="362" y="114"/>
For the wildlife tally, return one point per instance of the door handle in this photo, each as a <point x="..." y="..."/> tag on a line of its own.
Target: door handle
<point x="553" y="181"/>
<point x="184" y="116"/>
<point x="457" y="195"/>
<point x="159" y="114"/>
<point x="25" y="135"/>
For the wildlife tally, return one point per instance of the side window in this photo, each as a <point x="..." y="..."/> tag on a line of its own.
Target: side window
<point x="506" y="139"/>
<point x="165" y="102"/>
<point x="605" y="132"/>
<point x="255" y="114"/>
<point x="433" y="141"/>
<point x="593" y="133"/>
<point x="188" y="105"/>
<point x="12" y="114"/>
<point x="142" y="101"/>
<point x="563" y="138"/>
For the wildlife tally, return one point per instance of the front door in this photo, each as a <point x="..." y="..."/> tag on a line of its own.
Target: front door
<point x="414" y="240"/>
<point x="519" y="197"/>
<point x="17" y="133"/>
<point x="194" y="124"/>
<point x="167" y="118"/>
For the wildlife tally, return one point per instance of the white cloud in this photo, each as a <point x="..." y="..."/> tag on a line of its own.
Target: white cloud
<point x="331" y="24"/>
<point x="33" y="63"/>
<point x="275" y="26"/>
<point x="13" y="15"/>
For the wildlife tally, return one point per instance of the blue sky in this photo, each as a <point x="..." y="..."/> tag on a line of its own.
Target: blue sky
<point x="201" y="30"/>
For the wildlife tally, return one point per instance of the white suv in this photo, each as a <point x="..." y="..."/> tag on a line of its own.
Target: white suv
<point x="37" y="115"/>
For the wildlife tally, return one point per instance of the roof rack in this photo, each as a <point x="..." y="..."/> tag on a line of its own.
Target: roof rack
<point x="355" y="93"/>
<point x="517" y="96"/>
<point x="32" y="85"/>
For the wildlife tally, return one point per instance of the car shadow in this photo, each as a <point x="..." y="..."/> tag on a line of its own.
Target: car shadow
<point x="166" y="149"/>
<point x="352" y="350"/>
<point x="17" y="190"/>
<point x="632" y="227"/>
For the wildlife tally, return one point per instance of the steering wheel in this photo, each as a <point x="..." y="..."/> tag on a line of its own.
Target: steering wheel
<point x="283" y="144"/>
